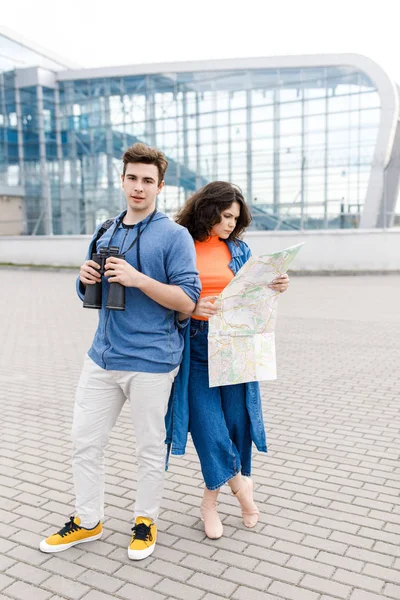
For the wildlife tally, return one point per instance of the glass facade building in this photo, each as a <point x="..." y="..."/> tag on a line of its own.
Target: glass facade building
<point x="312" y="141"/>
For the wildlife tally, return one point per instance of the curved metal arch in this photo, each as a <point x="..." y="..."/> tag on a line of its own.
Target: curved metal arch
<point x="48" y="54"/>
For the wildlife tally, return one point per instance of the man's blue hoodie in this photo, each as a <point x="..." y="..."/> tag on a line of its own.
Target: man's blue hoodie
<point x="145" y="336"/>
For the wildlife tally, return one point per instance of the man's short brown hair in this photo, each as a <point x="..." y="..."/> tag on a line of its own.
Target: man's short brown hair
<point x="140" y="153"/>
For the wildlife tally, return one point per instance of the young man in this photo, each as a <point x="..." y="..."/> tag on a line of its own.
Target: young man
<point x="135" y="353"/>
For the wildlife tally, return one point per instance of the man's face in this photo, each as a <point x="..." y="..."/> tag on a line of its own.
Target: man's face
<point x="140" y="184"/>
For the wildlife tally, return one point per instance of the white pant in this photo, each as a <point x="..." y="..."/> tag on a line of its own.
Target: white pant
<point x="99" y="399"/>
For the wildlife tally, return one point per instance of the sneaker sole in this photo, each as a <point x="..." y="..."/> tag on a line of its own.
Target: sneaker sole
<point x="140" y="554"/>
<point x="44" y="547"/>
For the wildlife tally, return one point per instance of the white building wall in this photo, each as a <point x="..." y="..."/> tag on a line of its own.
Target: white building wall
<point x="374" y="250"/>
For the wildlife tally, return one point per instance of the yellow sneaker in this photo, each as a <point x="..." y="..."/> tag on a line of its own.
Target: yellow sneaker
<point x="143" y="540"/>
<point x="70" y="535"/>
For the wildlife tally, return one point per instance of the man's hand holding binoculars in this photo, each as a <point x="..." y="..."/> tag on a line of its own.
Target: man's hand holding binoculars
<point x="118" y="270"/>
<point x="90" y="273"/>
<point x="120" y="275"/>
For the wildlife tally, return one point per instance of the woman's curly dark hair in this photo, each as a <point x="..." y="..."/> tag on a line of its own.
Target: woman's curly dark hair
<point x="203" y="210"/>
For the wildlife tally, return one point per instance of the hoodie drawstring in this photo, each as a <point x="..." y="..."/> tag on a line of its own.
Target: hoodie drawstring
<point x="139" y="266"/>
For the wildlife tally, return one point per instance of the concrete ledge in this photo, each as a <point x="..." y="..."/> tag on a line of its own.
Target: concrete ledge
<point x="292" y="273"/>
<point x="325" y="252"/>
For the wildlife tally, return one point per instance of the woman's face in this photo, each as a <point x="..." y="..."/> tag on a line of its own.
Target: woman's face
<point x="228" y="221"/>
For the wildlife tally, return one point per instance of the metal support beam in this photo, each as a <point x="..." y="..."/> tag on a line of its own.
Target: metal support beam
<point x="109" y="145"/>
<point x="249" y="160"/>
<point x="73" y="209"/>
<point x="391" y="186"/>
<point x="20" y="136"/>
<point x="185" y="136"/>
<point x="230" y="136"/>
<point x="276" y="152"/>
<point x="4" y="141"/>
<point x="45" y="186"/>
<point x="198" y="143"/>
<point x="303" y="162"/>
<point x="214" y="138"/>
<point x="178" y="144"/>
<point x="150" y="112"/>
<point x="60" y="158"/>
<point x="326" y="154"/>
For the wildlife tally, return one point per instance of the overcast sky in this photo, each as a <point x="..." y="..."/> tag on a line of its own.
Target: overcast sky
<point x="108" y="32"/>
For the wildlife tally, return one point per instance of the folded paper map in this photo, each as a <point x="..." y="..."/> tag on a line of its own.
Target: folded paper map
<point x="241" y="338"/>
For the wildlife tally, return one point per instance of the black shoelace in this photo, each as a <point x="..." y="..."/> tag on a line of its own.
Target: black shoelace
<point x="69" y="527"/>
<point x="142" y="532"/>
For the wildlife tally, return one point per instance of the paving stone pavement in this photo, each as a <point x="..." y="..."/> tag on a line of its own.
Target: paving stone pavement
<point x="328" y="489"/>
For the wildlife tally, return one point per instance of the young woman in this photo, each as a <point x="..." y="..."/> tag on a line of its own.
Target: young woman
<point x="224" y="421"/>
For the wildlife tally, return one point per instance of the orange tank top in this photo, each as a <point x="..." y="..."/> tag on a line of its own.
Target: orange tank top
<point x="212" y="260"/>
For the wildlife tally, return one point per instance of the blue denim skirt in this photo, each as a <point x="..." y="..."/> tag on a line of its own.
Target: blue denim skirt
<point x="219" y="421"/>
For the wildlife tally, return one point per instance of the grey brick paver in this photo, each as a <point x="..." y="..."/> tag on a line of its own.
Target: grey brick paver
<point x="358" y="580"/>
<point x="242" y="577"/>
<point x="210" y="597"/>
<point x="28" y="555"/>
<point x="285" y="534"/>
<point x="131" y="592"/>
<point x="6" y="545"/>
<point x="28" y="573"/>
<point x="340" y="561"/>
<point x="5" y="563"/>
<point x="296" y="549"/>
<point x="138" y="575"/>
<point x="162" y="567"/>
<point x="99" y="563"/>
<point x="177" y="590"/>
<point x="284" y="590"/>
<point x="96" y="595"/>
<point x="245" y="593"/>
<point x="309" y="566"/>
<point x="24" y="591"/>
<point x="267" y="554"/>
<point x="390" y="575"/>
<point x="5" y="581"/>
<point x="204" y="565"/>
<point x="352" y="540"/>
<point x="217" y="584"/>
<point x="280" y="573"/>
<point x="236" y="560"/>
<point x="391" y="590"/>
<point x="339" y="526"/>
<point x="226" y="543"/>
<point x="318" y="584"/>
<point x="169" y="554"/>
<point x="328" y="490"/>
<point x="373" y="556"/>
<point x="322" y="544"/>
<point x="101" y="581"/>
<point x="67" y="587"/>
<point x="7" y="517"/>
<point x="63" y="567"/>
<point x="363" y="595"/>
<point x="306" y="527"/>
<point x="100" y="547"/>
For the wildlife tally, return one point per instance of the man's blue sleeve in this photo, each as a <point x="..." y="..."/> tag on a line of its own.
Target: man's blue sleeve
<point x="180" y="265"/>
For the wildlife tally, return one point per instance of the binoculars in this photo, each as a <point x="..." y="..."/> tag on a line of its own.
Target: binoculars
<point x="93" y="292"/>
